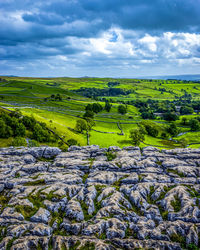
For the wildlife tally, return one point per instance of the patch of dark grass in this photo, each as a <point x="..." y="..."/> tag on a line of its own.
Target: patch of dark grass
<point x="91" y="160"/>
<point x="117" y="184"/>
<point x="3" y="233"/>
<point x="75" y="245"/>
<point x="35" y="183"/>
<point x="53" y="197"/>
<point x="110" y="156"/>
<point x="17" y="175"/>
<point x="10" y="243"/>
<point x="50" y="243"/>
<point x="174" y="171"/>
<point x="192" y="247"/>
<point x="97" y="204"/>
<point x="26" y="211"/>
<point x="85" y="211"/>
<point x="102" y="236"/>
<point x="119" y="165"/>
<point x="149" y="199"/>
<point x="159" y="163"/>
<point x="58" y="217"/>
<point x="134" y="208"/>
<point x="178" y="238"/>
<point x="63" y="246"/>
<point x="176" y="204"/>
<point x="84" y="178"/>
<point x="4" y="199"/>
<point x="163" y="212"/>
<point x="36" y="176"/>
<point x="88" y="245"/>
<point x="46" y="159"/>
<point x="192" y="191"/>
<point x="36" y="200"/>
<point x="128" y="232"/>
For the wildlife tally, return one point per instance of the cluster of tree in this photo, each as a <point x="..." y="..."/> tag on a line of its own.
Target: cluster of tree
<point x="150" y="128"/>
<point x="94" y="92"/>
<point x="172" y="130"/>
<point x="148" y="114"/>
<point x="15" y="125"/>
<point x="53" y="97"/>
<point x="185" y="110"/>
<point x="94" y="107"/>
<point x="113" y="84"/>
<point x="11" y="125"/>
<point x="193" y="123"/>
<point x="170" y="116"/>
<point x="145" y="128"/>
<point x="155" y="106"/>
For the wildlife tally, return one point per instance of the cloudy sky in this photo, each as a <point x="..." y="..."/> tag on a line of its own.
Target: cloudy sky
<point x="117" y="38"/>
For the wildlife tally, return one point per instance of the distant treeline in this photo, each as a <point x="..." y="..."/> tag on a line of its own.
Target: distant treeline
<point x="94" y="92"/>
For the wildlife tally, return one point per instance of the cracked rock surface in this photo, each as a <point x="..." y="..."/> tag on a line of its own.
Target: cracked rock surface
<point x="94" y="198"/>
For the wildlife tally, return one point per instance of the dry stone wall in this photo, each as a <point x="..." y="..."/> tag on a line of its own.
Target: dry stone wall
<point x="98" y="198"/>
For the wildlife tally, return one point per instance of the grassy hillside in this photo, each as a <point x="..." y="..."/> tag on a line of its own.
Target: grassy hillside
<point x="33" y="97"/>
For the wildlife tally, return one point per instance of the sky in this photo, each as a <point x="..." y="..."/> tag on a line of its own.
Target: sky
<point x="102" y="38"/>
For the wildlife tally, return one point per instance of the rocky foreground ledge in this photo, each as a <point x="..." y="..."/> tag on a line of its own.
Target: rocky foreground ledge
<point x="92" y="198"/>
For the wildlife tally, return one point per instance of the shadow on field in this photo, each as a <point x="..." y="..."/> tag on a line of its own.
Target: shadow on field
<point x="125" y="142"/>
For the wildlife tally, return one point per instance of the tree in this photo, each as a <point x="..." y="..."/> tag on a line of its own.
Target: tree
<point x="89" y="107"/>
<point x="107" y="106"/>
<point x="185" y="110"/>
<point x="58" y="97"/>
<point x="90" y="123"/>
<point x="164" y="135"/>
<point x="81" y="125"/>
<point x="172" y="129"/>
<point x="170" y="116"/>
<point x="88" y="114"/>
<point x="194" y="124"/>
<point x="122" y="109"/>
<point x="184" y="121"/>
<point x="148" y="115"/>
<point x="2" y="129"/>
<point x="96" y="107"/>
<point x="40" y="133"/>
<point x="29" y="122"/>
<point x="150" y="128"/>
<point x="136" y="136"/>
<point x="20" y="130"/>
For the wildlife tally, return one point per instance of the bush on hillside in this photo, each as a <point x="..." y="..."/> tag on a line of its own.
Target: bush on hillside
<point x="19" y="141"/>
<point x="122" y="109"/>
<point x="72" y="142"/>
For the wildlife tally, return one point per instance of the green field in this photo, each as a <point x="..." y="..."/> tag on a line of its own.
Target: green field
<point x="32" y="97"/>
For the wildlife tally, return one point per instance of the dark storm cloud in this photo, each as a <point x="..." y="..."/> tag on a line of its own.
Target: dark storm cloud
<point x="162" y="15"/>
<point x="83" y="31"/>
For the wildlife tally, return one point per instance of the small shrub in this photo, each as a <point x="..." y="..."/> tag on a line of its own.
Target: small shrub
<point x="110" y="156"/>
<point x="33" y="143"/>
<point x="19" y="141"/>
<point x="72" y="142"/>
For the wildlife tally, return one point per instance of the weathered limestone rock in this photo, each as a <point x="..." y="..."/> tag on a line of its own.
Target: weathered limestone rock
<point x="146" y="198"/>
<point x="42" y="216"/>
